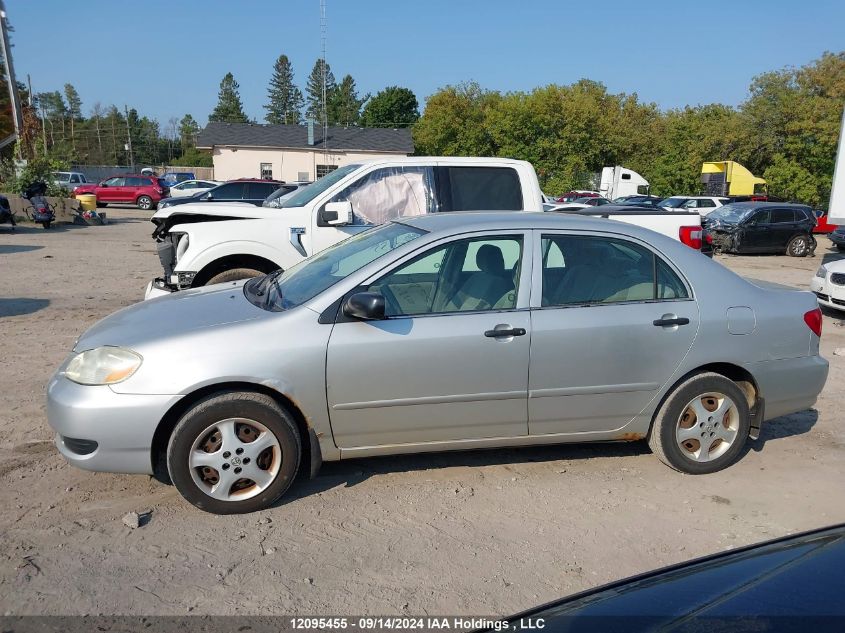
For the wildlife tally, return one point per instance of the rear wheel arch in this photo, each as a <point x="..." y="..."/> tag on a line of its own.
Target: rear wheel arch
<point x="311" y="456"/>
<point x="230" y="262"/>
<point x="742" y="377"/>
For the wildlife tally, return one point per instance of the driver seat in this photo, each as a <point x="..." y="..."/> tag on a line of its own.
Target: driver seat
<point x="490" y="287"/>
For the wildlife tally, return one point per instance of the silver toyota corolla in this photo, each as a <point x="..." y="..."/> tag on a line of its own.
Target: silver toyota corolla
<point x="442" y="332"/>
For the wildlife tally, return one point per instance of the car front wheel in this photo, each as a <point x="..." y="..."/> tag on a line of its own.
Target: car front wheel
<point x="234" y="452"/>
<point x="702" y="426"/>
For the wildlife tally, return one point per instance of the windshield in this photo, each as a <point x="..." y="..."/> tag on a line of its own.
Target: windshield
<point x="301" y="283"/>
<point x="673" y="202"/>
<point x="307" y="194"/>
<point x="730" y="213"/>
<point x="278" y="197"/>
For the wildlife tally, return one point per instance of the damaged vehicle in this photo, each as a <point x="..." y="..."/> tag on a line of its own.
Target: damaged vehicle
<point x="761" y="227"/>
<point x="523" y="329"/>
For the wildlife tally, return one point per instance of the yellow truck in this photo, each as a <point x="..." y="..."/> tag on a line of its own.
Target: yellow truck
<point x="729" y="178"/>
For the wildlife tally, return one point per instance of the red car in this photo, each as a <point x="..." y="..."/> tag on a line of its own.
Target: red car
<point x="822" y="225"/>
<point x="143" y="191"/>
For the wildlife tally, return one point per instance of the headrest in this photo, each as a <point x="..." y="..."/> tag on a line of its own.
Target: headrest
<point x="490" y="259"/>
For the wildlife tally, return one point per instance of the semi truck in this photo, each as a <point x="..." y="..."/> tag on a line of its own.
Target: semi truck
<point x="618" y="182"/>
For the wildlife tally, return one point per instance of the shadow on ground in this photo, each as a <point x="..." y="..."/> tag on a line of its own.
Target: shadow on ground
<point x="11" y="249"/>
<point x="20" y="305"/>
<point x="785" y="426"/>
<point x="353" y="472"/>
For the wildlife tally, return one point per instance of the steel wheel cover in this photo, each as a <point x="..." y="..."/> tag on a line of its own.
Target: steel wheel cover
<point x="708" y="427"/>
<point x="235" y="459"/>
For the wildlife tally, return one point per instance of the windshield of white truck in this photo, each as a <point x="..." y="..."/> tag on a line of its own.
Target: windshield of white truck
<point x="304" y="281"/>
<point x="307" y="194"/>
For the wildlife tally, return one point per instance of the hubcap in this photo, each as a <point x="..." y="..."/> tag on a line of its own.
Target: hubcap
<point x="235" y="459"/>
<point x="708" y="426"/>
<point x="145" y="203"/>
<point x="798" y="247"/>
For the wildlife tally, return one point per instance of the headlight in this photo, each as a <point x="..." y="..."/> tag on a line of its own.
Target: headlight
<point x="821" y="272"/>
<point x="103" y="366"/>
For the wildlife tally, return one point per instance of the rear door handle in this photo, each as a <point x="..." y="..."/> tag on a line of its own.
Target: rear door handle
<point x="675" y="321"/>
<point x="516" y="331"/>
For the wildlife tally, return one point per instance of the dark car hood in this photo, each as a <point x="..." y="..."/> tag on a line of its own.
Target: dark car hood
<point x="171" y="316"/>
<point x="762" y="587"/>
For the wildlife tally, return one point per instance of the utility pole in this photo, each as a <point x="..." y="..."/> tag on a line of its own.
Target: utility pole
<point x="10" y="73"/>
<point x="323" y="33"/>
<point x="129" y="137"/>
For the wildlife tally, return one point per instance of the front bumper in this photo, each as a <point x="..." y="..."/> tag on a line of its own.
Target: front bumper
<point x="122" y="425"/>
<point x="828" y="293"/>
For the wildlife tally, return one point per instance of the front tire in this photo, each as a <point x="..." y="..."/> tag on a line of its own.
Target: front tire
<point x="145" y="203"/>
<point x="233" y="274"/>
<point x="234" y="452"/>
<point x="799" y="246"/>
<point x="702" y="426"/>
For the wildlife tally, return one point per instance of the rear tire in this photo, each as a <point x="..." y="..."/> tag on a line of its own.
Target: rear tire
<point x="202" y="431"/>
<point x="233" y="274"/>
<point x="695" y="443"/>
<point x="145" y="203"/>
<point x="799" y="246"/>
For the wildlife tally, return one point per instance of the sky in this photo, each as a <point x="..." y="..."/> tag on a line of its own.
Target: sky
<point x="166" y="57"/>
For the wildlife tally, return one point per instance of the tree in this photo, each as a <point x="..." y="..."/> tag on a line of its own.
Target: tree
<point x="392" y="107"/>
<point x="285" y="105"/>
<point x="453" y="123"/>
<point x="314" y="90"/>
<point x="74" y="103"/>
<point x="188" y="130"/>
<point x="229" y="108"/>
<point x="344" y="107"/>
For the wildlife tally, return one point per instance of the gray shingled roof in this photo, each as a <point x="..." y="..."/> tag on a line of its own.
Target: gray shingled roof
<point x="296" y="136"/>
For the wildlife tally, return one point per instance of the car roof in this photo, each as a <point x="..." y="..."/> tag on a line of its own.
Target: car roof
<point x="762" y="205"/>
<point x="520" y="220"/>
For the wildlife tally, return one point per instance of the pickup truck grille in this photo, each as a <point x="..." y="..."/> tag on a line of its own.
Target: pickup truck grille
<point x="838" y="279"/>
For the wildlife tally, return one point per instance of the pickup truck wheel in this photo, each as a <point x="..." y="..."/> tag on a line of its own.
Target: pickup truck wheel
<point x="145" y="203"/>
<point x="233" y="274"/>
<point x="702" y="426"/>
<point x="234" y="452"/>
<point x="799" y="246"/>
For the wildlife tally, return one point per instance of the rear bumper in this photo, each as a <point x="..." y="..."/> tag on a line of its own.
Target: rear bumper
<point x="789" y="385"/>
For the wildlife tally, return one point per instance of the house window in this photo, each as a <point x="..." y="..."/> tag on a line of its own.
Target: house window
<point x="267" y="171"/>
<point x="322" y="170"/>
<point x="302" y="176"/>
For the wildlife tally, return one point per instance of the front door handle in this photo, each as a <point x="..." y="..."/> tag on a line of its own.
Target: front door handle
<point x="516" y="331"/>
<point x="673" y="321"/>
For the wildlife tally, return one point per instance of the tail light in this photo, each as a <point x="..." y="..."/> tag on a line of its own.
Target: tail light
<point x="813" y="319"/>
<point x="691" y="236"/>
<point x="708" y="238"/>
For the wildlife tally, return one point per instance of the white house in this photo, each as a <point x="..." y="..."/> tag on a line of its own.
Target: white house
<point x="290" y="153"/>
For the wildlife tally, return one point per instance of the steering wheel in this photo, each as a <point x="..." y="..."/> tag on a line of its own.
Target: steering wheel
<point x="391" y="303"/>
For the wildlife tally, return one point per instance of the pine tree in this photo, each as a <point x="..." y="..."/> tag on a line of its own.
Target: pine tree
<point x="285" y="105"/>
<point x="344" y="107"/>
<point x="188" y="130"/>
<point x="314" y="90"/>
<point x="229" y="108"/>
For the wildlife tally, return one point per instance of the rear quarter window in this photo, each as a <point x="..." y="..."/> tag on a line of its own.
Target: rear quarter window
<point x="480" y="189"/>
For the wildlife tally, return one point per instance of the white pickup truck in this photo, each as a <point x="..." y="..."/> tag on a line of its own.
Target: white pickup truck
<point x="207" y="244"/>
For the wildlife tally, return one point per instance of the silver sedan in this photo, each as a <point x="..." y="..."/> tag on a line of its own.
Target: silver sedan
<point x="441" y="332"/>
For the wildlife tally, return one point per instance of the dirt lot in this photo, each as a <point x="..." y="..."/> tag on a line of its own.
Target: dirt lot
<point x="464" y="533"/>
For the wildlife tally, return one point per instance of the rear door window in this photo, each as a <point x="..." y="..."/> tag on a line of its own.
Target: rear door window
<point x="230" y="191"/>
<point x="783" y="216"/>
<point x="479" y="189"/>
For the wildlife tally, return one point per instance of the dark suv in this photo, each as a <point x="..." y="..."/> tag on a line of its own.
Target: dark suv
<point x="761" y="227"/>
<point x="246" y="190"/>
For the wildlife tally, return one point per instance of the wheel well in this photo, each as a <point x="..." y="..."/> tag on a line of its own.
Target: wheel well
<point x="737" y="374"/>
<point x="158" y="450"/>
<point x="233" y="261"/>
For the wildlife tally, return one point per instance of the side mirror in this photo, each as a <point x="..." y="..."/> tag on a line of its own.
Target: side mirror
<point x="102" y="184"/>
<point x="208" y="196"/>
<point x="365" y="305"/>
<point x="337" y="213"/>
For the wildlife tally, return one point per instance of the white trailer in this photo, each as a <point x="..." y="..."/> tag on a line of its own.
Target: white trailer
<point x="836" y="210"/>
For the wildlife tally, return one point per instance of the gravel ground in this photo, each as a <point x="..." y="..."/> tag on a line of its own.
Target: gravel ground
<point x="463" y="533"/>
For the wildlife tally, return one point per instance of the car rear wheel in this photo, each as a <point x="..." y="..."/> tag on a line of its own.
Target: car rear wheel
<point x="799" y="246"/>
<point x="234" y="452"/>
<point x="145" y="203"/>
<point x="702" y="426"/>
<point x="233" y="274"/>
